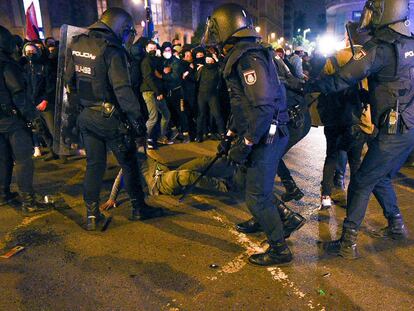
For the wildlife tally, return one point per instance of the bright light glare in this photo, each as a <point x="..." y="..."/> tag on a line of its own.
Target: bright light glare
<point x="137" y="2"/>
<point x="328" y="45"/>
<point x="257" y="29"/>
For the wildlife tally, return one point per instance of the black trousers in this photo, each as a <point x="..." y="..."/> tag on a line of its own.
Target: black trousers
<point x="208" y="102"/>
<point x="176" y="104"/>
<point x="333" y="135"/>
<point x="16" y="147"/>
<point x="100" y="134"/>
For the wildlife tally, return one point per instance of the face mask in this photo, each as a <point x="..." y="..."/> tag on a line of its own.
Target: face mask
<point x="152" y="53"/>
<point x="158" y="53"/>
<point x="167" y="55"/>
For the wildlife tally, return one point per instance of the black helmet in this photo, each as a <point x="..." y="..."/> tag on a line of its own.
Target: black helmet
<point x="119" y="21"/>
<point x="378" y="13"/>
<point x="7" y="42"/>
<point x="228" y="21"/>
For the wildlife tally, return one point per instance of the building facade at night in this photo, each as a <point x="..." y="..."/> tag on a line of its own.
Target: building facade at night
<point x="339" y="12"/>
<point x="172" y="18"/>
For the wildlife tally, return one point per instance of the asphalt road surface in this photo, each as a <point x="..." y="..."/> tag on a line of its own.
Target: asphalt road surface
<point x="193" y="259"/>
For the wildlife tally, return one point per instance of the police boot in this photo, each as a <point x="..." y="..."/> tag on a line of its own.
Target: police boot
<point x="141" y="211"/>
<point x="7" y="197"/>
<point x="93" y="216"/>
<point x="345" y="247"/>
<point x="292" y="191"/>
<point x="250" y="226"/>
<point x="291" y="221"/>
<point x="278" y="253"/>
<point x="31" y="204"/>
<point x="396" y="229"/>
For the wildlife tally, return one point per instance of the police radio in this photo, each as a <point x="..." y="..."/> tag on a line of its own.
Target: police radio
<point x="393" y="120"/>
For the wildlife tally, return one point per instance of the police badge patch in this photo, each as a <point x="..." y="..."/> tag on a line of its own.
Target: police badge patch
<point x="360" y="55"/>
<point x="250" y="77"/>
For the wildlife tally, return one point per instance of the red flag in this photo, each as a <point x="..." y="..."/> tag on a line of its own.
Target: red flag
<point x="32" y="29"/>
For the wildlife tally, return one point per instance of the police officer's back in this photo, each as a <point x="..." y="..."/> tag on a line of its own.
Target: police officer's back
<point x="98" y="72"/>
<point x="388" y="61"/>
<point x="15" y="137"/>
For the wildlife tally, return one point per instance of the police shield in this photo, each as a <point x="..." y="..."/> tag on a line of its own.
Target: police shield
<point x="66" y="106"/>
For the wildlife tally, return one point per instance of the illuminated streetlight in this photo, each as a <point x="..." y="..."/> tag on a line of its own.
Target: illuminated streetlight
<point x="299" y="30"/>
<point x="273" y="36"/>
<point x="257" y="29"/>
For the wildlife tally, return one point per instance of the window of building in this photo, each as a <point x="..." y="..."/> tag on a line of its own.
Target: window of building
<point x="356" y="15"/>
<point x="26" y="4"/>
<point x="157" y="11"/>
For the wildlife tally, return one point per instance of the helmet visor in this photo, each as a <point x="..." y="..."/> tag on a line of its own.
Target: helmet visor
<point x="366" y="21"/>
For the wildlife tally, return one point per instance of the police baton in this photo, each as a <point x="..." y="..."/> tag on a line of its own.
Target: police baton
<point x="190" y="188"/>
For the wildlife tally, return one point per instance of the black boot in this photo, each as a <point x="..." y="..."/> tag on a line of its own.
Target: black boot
<point x="396" y="229"/>
<point x="250" y="226"/>
<point x="93" y="216"/>
<point x="141" y="211"/>
<point x="291" y="221"/>
<point x="345" y="247"/>
<point x="292" y="191"/>
<point x="278" y="253"/>
<point x="6" y="198"/>
<point x="31" y="204"/>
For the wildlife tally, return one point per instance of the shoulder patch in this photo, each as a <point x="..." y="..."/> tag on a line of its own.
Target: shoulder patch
<point x="250" y="77"/>
<point x="360" y="55"/>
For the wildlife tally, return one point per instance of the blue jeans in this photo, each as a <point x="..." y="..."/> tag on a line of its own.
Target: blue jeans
<point x="156" y="107"/>
<point x="386" y="154"/>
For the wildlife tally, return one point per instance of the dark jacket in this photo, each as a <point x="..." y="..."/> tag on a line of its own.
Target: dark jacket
<point x="150" y="83"/>
<point x="209" y="78"/>
<point x="256" y="94"/>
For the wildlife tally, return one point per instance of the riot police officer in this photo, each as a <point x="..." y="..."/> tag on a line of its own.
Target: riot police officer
<point x="98" y="73"/>
<point x="388" y="60"/>
<point x="15" y="137"/>
<point x="259" y="120"/>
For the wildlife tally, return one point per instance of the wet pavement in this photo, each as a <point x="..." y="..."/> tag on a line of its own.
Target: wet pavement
<point x="193" y="259"/>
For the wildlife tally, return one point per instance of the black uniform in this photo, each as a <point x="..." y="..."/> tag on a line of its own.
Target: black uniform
<point x="98" y="71"/>
<point x="388" y="62"/>
<point x="257" y="99"/>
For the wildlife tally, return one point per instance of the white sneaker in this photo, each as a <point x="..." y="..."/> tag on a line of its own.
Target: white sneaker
<point x="326" y="202"/>
<point x="37" y="153"/>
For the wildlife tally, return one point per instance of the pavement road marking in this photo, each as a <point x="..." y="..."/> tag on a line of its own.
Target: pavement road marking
<point x="252" y="247"/>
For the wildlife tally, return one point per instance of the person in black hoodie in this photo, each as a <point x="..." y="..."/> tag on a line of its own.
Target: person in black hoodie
<point x="208" y="77"/>
<point x="172" y="78"/>
<point x="41" y="92"/>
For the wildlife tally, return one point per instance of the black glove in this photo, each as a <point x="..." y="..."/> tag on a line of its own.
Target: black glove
<point x="139" y="127"/>
<point x="311" y="87"/>
<point x="239" y="153"/>
<point x="364" y="96"/>
<point x="224" y="145"/>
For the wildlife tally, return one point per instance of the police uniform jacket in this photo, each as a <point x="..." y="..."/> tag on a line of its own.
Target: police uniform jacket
<point x="256" y="95"/>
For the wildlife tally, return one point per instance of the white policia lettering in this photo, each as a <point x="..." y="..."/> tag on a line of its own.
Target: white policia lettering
<point x="409" y="54"/>
<point x="84" y="54"/>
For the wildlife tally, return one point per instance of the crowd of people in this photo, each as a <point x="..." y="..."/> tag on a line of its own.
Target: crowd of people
<point x="251" y="98"/>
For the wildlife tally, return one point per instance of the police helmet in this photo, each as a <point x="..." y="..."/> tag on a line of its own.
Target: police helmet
<point x="378" y="13"/>
<point x="228" y="21"/>
<point x="120" y="22"/>
<point x="7" y="42"/>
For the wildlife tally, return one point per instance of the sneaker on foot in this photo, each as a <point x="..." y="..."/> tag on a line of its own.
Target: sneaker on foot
<point x="165" y="141"/>
<point x="37" y="153"/>
<point x="326" y="202"/>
